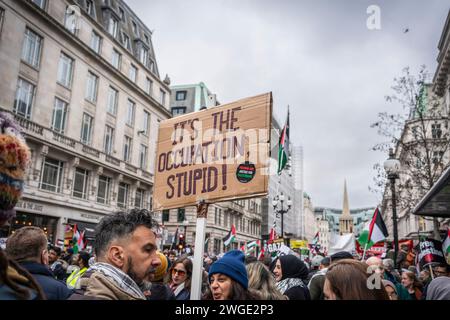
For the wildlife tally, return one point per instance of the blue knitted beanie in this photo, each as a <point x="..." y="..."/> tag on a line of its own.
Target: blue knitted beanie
<point x="232" y="265"/>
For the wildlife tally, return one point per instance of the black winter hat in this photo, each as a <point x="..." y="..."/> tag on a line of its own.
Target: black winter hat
<point x="341" y="255"/>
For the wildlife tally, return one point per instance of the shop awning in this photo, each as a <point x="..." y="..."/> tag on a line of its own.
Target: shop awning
<point x="436" y="202"/>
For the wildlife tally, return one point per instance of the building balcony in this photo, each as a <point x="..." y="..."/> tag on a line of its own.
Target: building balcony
<point x="45" y="135"/>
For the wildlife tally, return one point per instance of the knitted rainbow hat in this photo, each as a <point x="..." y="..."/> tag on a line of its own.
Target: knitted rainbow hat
<point x="14" y="160"/>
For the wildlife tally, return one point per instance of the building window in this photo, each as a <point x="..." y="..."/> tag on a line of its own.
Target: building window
<point x="121" y="14"/>
<point x="90" y="8"/>
<point x="52" y="173"/>
<point x="181" y="214"/>
<point x="143" y="157"/>
<point x="112" y="26"/>
<point x="24" y="98"/>
<point x="162" y="97"/>
<point x="2" y="18"/>
<point x="148" y="86"/>
<point x="165" y="216"/>
<point x="138" y="199"/>
<point x="31" y="49"/>
<point x="91" y="87"/>
<point x="122" y="197"/>
<point x="133" y="73"/>
<point x="127" y="144"/>
<point x="438" y="157"/>
<point x="65" y="69"/>
<point x="143" y="56"/>
<point x="126" y="41"/>
<point x="80" y="183"/>
<point x="86" y="129"/>
<point x="59" y="116"/>
<point x="135" y="30"/>
<point x="39" y="3"/>
<point x="109" y="140"/>
<point x="145" y="122"/>
<point x="178" y="110"/>
<point x="103" y="189"/>
<point x="71" y="19"/>
<point x="116" y="59"/>
<point x="152" y="66"/>
<point x="436" y="131"/>
<point x="180" y="95"/>
<point x="130" y="113"/>
<point x="95" y="42"/>
<point x="111" y="106"/>
<point x="215" y="216"/>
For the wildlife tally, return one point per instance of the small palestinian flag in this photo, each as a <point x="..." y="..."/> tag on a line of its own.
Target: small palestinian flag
<point x="283" y="146"/>
<point x="375" y="231"/>
<point x="446" y="243"/>
<point x="231" y="237"/>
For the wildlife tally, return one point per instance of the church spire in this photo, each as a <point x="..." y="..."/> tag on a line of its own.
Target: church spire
<point x="345" y="209"/>
<point x="345" y="220"/>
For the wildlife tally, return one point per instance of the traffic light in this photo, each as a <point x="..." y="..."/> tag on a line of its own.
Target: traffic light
<point x="181" y="241"/>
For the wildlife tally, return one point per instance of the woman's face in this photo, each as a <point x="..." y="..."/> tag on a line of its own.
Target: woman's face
<point x="220" y="286"/>
<point x="179" y="274"/>
<point x="391" y="293"/>
<point x="328" y="292"/>
<point x="406" y="281"/>
<point x="277" y="271"/>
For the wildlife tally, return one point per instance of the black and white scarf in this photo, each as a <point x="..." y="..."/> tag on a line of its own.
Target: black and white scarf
<point x="120" y="278"/>
<point x="289" y="283"/>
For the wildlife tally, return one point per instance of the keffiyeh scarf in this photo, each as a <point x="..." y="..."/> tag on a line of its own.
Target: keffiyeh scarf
<point x="121" y="279"/>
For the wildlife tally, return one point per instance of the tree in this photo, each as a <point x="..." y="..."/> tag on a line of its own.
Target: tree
<point x="420" y="137"/>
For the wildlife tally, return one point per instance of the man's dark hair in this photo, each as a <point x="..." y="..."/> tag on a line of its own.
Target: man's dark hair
<point x="250" y="259"/>
<point x="56" y="249"/>
<point x="84" y="256"/>
<point x="325" y="261"/>
<point x="120" y="225"/>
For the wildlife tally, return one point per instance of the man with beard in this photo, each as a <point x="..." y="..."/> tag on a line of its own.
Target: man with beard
<point x="125" y="249"/>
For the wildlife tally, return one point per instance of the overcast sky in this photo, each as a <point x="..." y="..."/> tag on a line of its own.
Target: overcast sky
<point x="319" y="57"/>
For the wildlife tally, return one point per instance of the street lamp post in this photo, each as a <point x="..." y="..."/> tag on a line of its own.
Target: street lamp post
<point x="392" y="168"/>
<point x="279" y="200"/>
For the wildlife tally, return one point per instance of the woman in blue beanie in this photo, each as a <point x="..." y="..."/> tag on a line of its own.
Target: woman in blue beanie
<point x="228" y="278"/>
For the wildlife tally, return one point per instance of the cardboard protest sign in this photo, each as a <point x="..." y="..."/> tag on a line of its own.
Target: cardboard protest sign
<point x="430" y="252"/>
<point x="217" y="154"/>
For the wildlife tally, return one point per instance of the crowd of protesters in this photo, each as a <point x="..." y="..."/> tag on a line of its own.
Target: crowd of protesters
<point x="126" y="265"/>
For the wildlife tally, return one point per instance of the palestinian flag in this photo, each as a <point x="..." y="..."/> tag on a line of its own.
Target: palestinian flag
<point x="283" y="146"/>
<point x="261" y="254"/>
<point x="231" y="237"/>
<point x="272" y="235"/>
<point x="81" y="241"/>
<point x="375" y="231"/>
<point x="75" y="238"/>
<point x="315" y="243"/>
<point x="446" y="244"/>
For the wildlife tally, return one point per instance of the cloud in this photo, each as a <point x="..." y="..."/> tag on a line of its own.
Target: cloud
<point x="316" y="56"/>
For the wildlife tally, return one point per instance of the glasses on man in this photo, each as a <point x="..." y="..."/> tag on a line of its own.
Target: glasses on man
<point x="180" y="272"/>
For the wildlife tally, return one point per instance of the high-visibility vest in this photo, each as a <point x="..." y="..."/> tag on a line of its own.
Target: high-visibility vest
<point x="73" y="280"/>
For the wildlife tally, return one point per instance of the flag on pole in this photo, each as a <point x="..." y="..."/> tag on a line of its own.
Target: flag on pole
<point x="446" y="243"/>
<point x="272" y="235"/>
<point x="231" y="236"/>
<point x="81" y="241"/>
<point x="75" y="238"/>
<point x="375" y="231"/>
<point x="175" y="239"/>
<point x="261" y="254"/>
<point x="283" y="146"/>
<point x="315" y="243"/>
